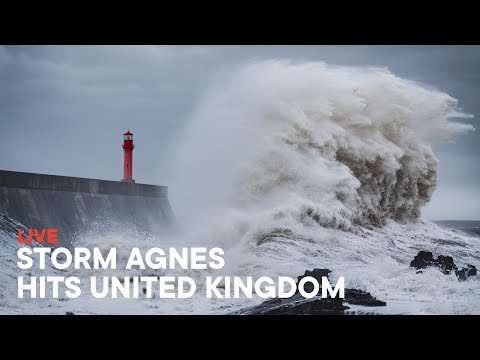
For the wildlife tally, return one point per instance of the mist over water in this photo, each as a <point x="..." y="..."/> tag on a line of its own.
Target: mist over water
<point x="289" y="166"/>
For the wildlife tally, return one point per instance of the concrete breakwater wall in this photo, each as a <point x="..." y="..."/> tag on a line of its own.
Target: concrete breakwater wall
<point x="78" y="205"/>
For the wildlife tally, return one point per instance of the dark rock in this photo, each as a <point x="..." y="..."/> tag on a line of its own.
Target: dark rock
<point x="472" y="270"/>
<point x="422" y="260"/>
<point x="315" y="273"/>
<point x="425" y="259"/>
<point x="359" y="297"/>
<point x="445" y="264"/>
<point x="69" y="313"/>
<point x="298" y="305"/>
<point x="464" y="273"/>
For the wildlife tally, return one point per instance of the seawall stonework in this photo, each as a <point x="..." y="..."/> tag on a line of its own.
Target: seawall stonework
<point x="77" y="206"/>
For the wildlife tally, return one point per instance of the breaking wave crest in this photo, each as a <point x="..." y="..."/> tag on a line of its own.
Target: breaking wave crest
<point x="317" y="144"/>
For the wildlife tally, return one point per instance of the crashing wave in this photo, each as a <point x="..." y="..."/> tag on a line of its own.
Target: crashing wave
<point x="337" y="146"/>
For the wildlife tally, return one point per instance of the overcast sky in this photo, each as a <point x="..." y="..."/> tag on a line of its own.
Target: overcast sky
<point x="63" y="109"/>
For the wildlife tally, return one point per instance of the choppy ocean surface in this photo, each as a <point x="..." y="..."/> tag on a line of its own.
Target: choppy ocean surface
<point x="471" y="227"/>
<point x="376" y="261"/>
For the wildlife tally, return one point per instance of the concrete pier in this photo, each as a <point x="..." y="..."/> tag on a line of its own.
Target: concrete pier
<point x="79" y="205"/>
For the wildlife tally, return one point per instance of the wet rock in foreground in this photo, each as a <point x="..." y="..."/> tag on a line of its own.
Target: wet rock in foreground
<point x="298" y="305"/>
<point x="359" y="297"/>
<point x="464" y="273"/>
<point x="445" y="264"/>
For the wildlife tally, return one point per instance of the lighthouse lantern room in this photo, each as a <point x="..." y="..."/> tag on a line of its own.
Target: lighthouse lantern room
<point x="127" y="156"/>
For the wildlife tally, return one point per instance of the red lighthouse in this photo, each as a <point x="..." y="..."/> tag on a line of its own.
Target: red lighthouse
<point x="127" y="156"/>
